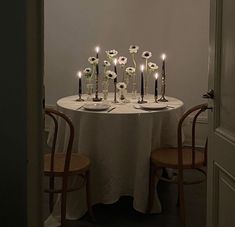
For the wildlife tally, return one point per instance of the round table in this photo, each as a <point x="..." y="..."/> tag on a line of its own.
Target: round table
<point x="118" y="144"/>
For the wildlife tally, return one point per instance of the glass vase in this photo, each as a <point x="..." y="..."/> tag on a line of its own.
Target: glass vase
<point x="89" y="89"/>
<point x="105" y="89"/>
<point x="123" y="96"/>
<point x="134" y="92"/>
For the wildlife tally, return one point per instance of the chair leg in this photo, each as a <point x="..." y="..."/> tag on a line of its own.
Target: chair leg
<point x="152" y="180"/>
<point x="63" y="202"/>
<point x="181" y="198"/>
<point x="90" y="210"/>
<point x="51" y="194"/>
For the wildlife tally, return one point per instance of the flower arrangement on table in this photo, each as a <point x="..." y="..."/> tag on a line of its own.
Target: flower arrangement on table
<point x="120" y="80"/>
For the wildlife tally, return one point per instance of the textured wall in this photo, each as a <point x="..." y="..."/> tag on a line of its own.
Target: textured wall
<point x="179" y="28"/>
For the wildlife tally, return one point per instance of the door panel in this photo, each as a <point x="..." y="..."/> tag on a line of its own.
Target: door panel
<point x="227" y="104"/>
<point x="221" y="156"/>
<point x="225" y="197"/>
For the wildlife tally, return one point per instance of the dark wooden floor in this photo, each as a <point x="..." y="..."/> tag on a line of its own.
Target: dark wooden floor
<point x="122" y="214"/>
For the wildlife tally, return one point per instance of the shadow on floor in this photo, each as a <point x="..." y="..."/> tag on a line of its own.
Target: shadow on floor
<point x="121" y="213"/>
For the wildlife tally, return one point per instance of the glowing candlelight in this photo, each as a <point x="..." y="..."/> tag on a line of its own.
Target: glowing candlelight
<point x="97" y="49"/>
<point x="163" y="57"/>
<point x="156" y="76"/>
<point x="79" y="74"/>
<point x="142" y="68"/>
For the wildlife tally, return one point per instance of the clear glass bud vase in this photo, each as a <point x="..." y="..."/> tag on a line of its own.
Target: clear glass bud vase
<point x="134" y="92"/>
<point x="105" y="89"/>
<point x="89" y="89"/>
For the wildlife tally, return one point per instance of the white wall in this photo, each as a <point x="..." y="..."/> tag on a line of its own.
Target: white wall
<point x="178" y="27"/>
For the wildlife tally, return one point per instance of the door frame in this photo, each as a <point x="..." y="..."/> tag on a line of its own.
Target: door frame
<point x="216" y="171"/>
<point x="35" y="104"/>
<point x="214" y="71"/>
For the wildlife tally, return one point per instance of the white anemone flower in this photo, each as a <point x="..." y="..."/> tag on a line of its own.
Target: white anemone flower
<point x="93" y="60"/>
<point x="110" y="74"/>
<point x="111" y="53"/>
<point x="133" y="49"/>
<point x="121" y="86"/>
<point x="106" y="63"/>
<point x="122" y="61"/>
<point x="146" y="54"/>
<point x="152" y="66"/>
<point x="130" y="71"/>
<point x="87" y="72"/>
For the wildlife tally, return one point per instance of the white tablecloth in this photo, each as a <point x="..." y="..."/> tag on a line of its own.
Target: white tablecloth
<point x="118" y="144"/>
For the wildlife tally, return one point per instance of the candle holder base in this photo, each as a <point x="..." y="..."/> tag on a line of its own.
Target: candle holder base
<point x="96" y="99"/>
<point x="142" y="101"/>
<point x="155" y="98"/>
<point x="115" y="101"/>
<point x="162" y="99"/>
<point x="80" y="99"/>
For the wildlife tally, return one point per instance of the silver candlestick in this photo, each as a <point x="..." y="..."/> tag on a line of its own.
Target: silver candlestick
<point x="163" y="85"/>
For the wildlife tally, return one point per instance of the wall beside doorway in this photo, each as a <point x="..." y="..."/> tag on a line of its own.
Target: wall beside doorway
<point x="179" y="28"/>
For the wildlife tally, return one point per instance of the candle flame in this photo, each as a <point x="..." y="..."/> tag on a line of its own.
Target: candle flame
<point x="115" y="61"/>
<point x="97" y="49"/>
<point x="79" y="74"/>
<point x="156" y="75"/>
<point x="163" y="57"/>
<point x="142" y="68"/>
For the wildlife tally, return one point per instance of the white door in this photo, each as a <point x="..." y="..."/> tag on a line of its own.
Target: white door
<point x="221" y="153"/>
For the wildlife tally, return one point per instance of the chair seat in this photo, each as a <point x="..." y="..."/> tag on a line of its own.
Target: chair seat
<point x="78" y="164"/>
<point x="168" y="157"/>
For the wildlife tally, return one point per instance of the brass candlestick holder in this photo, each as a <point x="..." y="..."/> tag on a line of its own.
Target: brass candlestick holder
<point x="80" y="98"/>
<point x="163" y="89"/>
<point x="163" y="85"/>
<point x="142" y="100"/>
<point x="155" y="98"/>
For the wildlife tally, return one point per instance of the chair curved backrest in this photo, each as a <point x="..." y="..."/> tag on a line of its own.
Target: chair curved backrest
<point x="55" y="115"/>
<point x="198" y="109"/>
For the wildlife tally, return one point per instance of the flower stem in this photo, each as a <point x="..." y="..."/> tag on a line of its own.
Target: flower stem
<point x="105" y="68"/>
<point x="93" y="70"/>
<point x="123" y="74"/>
<point x="146" y="77"/>
<point x="133" y="59"/>
<point x="146" y="65"/>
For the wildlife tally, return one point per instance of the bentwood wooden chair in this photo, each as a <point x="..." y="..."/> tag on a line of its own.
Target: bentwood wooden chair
<point x="64" y="165"/>
<point x="180" y="159"/>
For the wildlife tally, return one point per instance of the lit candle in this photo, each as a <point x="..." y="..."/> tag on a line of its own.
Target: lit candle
<point x="142" y="80"/>
<point x="97" y="49"/>
<point x="79" y="74"/>
<point x="115" y="80"/>
<point x="156" y="86"/>
<point x="163" y="65"/>
<point x="115" y="69"/>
